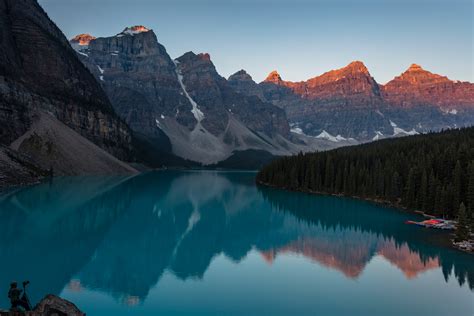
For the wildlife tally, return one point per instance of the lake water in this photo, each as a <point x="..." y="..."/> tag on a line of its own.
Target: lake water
<point x="213" y="243"/>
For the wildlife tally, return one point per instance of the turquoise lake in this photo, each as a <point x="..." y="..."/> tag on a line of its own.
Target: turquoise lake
<point x="214" y="243"/>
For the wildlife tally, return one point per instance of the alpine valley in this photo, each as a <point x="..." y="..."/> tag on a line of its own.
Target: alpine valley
<point x="137" y="179"/>
<point x="114" y="104"/>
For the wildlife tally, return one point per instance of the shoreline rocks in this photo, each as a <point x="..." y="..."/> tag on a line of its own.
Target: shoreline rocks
<point x="50" y="305"/>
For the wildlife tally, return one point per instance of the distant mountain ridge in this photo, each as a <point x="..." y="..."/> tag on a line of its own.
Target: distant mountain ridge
<point x="166" y="102"/>
<point x="349" y="102"/>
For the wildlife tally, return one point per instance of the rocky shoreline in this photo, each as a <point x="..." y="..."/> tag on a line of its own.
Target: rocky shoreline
<point x="50" y="305"/>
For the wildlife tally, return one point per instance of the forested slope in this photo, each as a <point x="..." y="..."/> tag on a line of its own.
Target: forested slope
<point x="431" y="172"/>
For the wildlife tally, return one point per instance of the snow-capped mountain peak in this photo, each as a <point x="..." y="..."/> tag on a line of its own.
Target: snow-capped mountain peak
<point x="133" y="30"/>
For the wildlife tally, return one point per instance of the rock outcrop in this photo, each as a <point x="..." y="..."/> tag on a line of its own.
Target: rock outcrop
<point x="82" y="40"/>
<point x="243" y="83"/>
<point x="50" y="305"/>
<point x="17" y="169"/>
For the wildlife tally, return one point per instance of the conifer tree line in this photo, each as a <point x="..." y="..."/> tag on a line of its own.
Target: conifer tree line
<point x="433" y="172"/>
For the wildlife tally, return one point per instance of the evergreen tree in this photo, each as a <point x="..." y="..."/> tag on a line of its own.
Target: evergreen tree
<point x="430" y="205"/>
<point x="457" y="186"/>
<point x="423" y="200"/>
<point x="410" y="189"/>
<point x="470" y="195"/>
<point x="462" y="229"/>
<point x="395" y="192"/>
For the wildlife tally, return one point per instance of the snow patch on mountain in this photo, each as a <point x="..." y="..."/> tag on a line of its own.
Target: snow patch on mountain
<point x="452" y="111"/>
<point x="101" y="77"/>
<point x="377" y="136"/>
<point x="198" y="115"/>
<point x="297" y="130"/>
<point x="400" y="131"/>
<point x="326" y="135"/>
<point x="134" y="30"/>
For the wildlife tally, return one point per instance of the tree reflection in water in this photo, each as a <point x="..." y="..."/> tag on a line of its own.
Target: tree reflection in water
<point x="119" y="235"/>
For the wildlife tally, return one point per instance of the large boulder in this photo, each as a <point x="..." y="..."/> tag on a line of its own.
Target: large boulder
<point x="50" y="305"/>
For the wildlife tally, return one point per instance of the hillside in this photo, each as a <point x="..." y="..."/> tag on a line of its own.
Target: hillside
<point x="432" y="172"/>
<point x="54" y="115"/>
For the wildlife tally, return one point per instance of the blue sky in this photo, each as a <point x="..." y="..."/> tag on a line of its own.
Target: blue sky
<point x="299" y="38"/>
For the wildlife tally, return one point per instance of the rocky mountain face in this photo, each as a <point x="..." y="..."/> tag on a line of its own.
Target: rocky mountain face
<point x="343" y="103"/>
<point x="418" y="87"/>
<point x="243" y="83"/>
<point x="349" y="103"/>
<point x="54" y="116"/>
<point x="183" y="103"/>
<point x="220" y="102"/>
<point x="423" y="101"/>
<point x="39" y="72"/>
<point x="140" y="79"/>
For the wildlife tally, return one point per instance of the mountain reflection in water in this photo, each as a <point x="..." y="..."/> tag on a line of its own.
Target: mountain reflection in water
<point x="120" y="235"/>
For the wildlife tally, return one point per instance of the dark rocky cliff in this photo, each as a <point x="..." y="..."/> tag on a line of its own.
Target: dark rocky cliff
<point x="179" y="107"/>
<point x="39" y="71"/>
<point x="140" y="79"/>
<point x="217" y="99"/>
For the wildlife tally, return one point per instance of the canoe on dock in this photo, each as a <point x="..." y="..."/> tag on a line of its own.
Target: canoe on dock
<point x="437" y="223"/>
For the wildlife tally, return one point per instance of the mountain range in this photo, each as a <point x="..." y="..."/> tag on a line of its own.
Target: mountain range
<point x="340" y="107"/>
<point x="183" y="107"/>
<point x="350" y="103"/>
<point x="86" y="105"/>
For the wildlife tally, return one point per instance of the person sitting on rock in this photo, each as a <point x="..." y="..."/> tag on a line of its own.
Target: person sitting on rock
<point x="14" y="294"/>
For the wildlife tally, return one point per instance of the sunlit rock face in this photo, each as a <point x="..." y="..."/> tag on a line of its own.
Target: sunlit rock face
<point x="82" y="39"/>
<point x="40" y="71"/>
<point x="274" y="77"/>
<point x="350" y="103"/>
<point x="135" y="30"/>
<point x="419" y="87"/>
<point x="352" y="81"/>
<point x="343" y="102"/>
